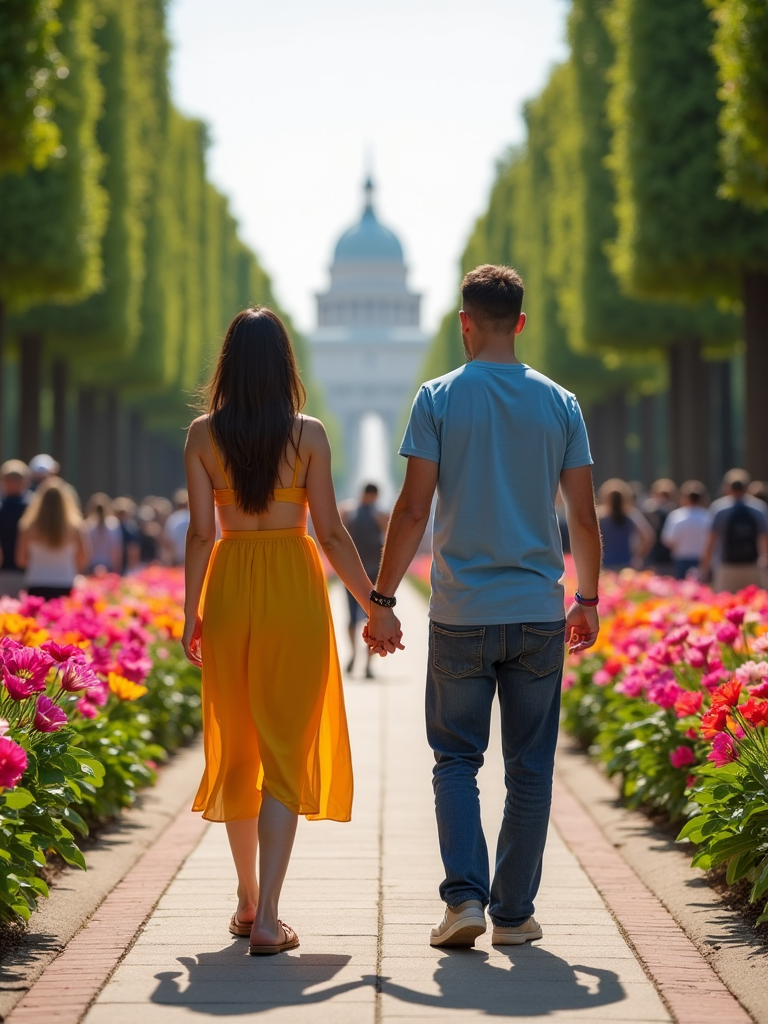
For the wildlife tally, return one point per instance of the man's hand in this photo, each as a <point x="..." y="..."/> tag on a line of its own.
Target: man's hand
<point x="190" y="640"/>
<point x="382" y="632"/>
<point x="582" y="625"/>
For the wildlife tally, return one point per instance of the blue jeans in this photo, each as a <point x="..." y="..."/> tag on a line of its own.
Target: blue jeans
<point x="466" y="665"/>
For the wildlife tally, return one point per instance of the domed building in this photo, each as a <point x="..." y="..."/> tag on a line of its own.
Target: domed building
<point x="368" y="344"/>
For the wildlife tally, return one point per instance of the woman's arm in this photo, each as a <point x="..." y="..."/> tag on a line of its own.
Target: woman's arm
<point x="82" y="551"/>
<point x="201" y="537"/>
<point x="331" y="534"/>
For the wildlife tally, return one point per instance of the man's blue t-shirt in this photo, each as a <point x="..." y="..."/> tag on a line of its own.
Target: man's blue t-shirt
<point x="501" y="433"/>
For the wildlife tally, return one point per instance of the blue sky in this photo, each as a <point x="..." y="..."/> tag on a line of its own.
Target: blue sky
<point x="301" y="94"/>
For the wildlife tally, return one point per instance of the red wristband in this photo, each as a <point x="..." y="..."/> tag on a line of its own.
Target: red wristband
<point x="588" y="602"/>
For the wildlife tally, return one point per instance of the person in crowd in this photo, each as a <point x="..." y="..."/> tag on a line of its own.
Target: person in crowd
<point x="175" y="529"/>
<point x="366" y="525"/>
<point x="40" y="468"/>
<point x="124" y="510"/>
<point x="14" y="498"/>
<point x="104" y="535"/>
<point x="627" y="534"/>
<point x="686" y="530"/>
<point x="662" y="500"/>
<point x="759" y="489"/>
<point x="494" y="438"/>
<point x="150" y="533"/>
<point x="162" y="506"/>
<point x="737" y="545"/>
<point x="275" y="732"/>
<point x="53" y="546"/>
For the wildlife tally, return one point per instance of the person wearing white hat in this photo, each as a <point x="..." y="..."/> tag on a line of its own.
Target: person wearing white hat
<point x="40" y="468"/>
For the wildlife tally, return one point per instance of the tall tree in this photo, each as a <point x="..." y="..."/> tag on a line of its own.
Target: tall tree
<point x="676" y="237"/>
<point x="740" y="49"/>
<point x="31" y="65"/>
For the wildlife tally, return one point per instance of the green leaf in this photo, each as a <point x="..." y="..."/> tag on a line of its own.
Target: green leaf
<point x="17" y="798"/>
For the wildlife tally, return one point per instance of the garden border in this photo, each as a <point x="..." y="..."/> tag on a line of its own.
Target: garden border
<point x="120" y="869"/>
<point x="630" y="860"/>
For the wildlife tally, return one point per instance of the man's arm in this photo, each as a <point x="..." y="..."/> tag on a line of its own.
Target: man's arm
<point x="406" y="528"/>
<point x="582" y="623"/>
<point x="705" y="565"/>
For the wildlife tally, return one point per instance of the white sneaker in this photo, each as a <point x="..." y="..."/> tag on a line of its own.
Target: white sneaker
<point x="525" y="932"/>
<point x="460" y="926"/>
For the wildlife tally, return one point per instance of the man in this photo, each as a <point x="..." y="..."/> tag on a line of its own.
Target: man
<point x="737" y="545"/>
<point x="686" y="530"/>
<point x="125" y="513"/>
<point x="14" y="490"/>
<point x="175" y="530"/>
<point x="366" y="526"/>
<point x="495" y="438"/>
<point x="40" y="468"/>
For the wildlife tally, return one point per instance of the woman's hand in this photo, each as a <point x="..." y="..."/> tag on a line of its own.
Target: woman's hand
<point x="190" y="640"/>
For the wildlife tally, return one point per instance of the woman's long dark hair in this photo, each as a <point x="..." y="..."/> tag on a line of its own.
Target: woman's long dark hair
<point x="253" y="399"/>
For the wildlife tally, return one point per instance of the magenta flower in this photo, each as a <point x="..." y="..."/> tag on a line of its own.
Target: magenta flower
<point x="48" y="716"/>
<point x="665" y="690"/>
<point x="682" y="757"/>
<point x="13" y="762"/>
<point x="761" y="690"/>
<point x="134" y="664"/>
<point x="727" y="633"/>
<point x="723" y="750"/>
<point x="702" y="643"/>
<point x="696" y="657"/>
<point x="632" y="685"/>
<point x="61" y="652"/>
<point x="77" y="674"/>
<point x="736" y="615"/>
<point x="86" y="708"/>
<point x="25" y="671"/>
<point x="569" y="678"/>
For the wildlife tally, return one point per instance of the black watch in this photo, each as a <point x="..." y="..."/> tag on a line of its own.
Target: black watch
<point x="381" y="600"/>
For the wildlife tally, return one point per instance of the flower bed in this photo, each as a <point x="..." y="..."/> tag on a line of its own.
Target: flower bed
<point x="673" y="699"/>
<point x="95" y="692"/>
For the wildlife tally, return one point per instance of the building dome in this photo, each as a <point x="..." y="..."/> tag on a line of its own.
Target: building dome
<point x="369" y="239"/>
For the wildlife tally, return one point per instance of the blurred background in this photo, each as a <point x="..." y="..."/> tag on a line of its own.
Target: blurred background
<point x="163" y="164"/>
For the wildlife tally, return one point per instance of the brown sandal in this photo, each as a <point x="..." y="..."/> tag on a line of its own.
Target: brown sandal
<point x="291" y="942"/>
<point x="238" y="927"/>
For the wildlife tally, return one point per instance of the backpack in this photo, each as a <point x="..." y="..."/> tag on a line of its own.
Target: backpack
<point x="740" y="536"/>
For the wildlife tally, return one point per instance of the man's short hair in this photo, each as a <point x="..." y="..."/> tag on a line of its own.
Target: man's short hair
<point x="737" y="479"/>
<point x="493" y="296"/>
<point x="370" y="489"/>
<point x="693" y="490"/>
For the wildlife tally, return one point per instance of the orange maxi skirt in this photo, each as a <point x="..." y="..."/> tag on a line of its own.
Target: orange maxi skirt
<point x="273" y="704"/>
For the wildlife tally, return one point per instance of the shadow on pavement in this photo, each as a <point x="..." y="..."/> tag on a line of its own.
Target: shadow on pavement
<point x="228" y="981"/>
<point x="536" y="984"/>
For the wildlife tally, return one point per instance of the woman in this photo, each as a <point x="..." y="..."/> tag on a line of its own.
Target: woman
<point x="627" y="534"/>
<point x="103" y="530"/>
<point x="258" y="619"/>
<point x="51" y="547"/>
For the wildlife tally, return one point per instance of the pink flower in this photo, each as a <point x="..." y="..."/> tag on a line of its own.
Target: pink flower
<point x="751" y="671"/>
<point x="713" y="679"/>
<point x="134" y="664"/>
<point x="76" y="675"/>
<point x="98" y="694"/>
<point x="665" y="691"/>
<point x="13" y="762"/>
<point x="676" y="636"/>
<point x="632" y="685"/>
<point x="569" y="679"/>
<point x="5" y="726"/>
<point x="86" y="708"/>
<point x="696" y="658"/>
<point x="48" y="716"/>
<point x="702" y="643"/>
<point x="162" y="654"/>
<point x="25" y="671"/>
<point x="727" y="633"/>
<point x="682" y="757"/>
<point x="723" y="750"/>
<point x="601" y="677"/>
<point x="60" y="652"/>
<point x="761" y="644"/>
<point x="736" y="615"/>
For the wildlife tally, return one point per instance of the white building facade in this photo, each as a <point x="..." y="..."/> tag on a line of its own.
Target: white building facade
<point x="368" y="345"/>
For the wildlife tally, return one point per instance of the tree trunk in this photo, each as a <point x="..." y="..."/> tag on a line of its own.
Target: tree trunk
<point x="86" y="443"/>
<point x="755" y="295"/>
<point x="31" y="352"/>
<point x="689" y="419"/>
<point x="112" y="414"/>
<point x="615" y="439"/>
<point x="648" y="445"/>
<point x="138" y="487"/>
<point x="59" y="387"/>
<point x="2" y="381"/>
<point x="722" y="423"/>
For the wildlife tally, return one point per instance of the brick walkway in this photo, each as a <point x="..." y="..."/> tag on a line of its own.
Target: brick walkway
<point x="363" y="897"/>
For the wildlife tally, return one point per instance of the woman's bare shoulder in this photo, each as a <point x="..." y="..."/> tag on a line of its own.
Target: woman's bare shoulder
<point x="198" y="432"/>
<point x="313" y="433"/>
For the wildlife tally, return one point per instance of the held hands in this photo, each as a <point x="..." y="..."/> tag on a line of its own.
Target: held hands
<point x="190" y="640"/>
<point x="582" y="625"/>
<point x="382" y="632"/>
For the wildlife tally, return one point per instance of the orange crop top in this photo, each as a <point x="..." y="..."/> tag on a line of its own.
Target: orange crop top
<point x="226" y="495"/>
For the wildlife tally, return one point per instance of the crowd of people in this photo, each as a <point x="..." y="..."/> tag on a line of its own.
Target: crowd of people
<point x="47" y="538"/>
<point x="677" y="532"/>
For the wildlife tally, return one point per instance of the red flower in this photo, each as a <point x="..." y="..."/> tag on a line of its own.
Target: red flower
<point x="60" y="652"/>
<point x="727" y="695"/>
<point x="714" y="721"/>
<point x="682" y="757"/>
<point x="755" y="711"/>
<point x="13" y="762"/>
<point x="688" y="703"/>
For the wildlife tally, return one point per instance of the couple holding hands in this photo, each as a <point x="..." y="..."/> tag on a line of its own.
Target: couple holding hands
<point x="494" y="439"/>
